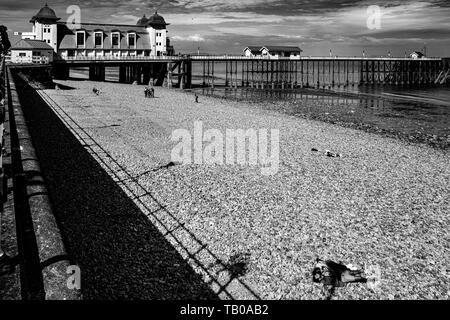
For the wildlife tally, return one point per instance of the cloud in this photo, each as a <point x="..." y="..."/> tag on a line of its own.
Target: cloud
<point x="195" y="38"/>
<point x="226" y="26"/>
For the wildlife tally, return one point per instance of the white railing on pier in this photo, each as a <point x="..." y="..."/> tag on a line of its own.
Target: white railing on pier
<point x="229" y="57"/>
<point x="28" y="60"/>
<point x="119" y="58"/>
<point x="40" y="59"/>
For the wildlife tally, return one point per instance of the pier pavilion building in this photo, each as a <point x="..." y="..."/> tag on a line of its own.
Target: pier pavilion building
<point x="148" y="37"/>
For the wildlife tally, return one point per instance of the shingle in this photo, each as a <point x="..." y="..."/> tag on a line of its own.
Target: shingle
<point x="31" y="44"/>
<point x="283" y="48"/>
<point x="253" y="49"/>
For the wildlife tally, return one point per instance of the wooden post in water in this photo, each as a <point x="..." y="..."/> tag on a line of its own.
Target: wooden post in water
<point x="226" y="73"/>
<point x="296" y="74"/>
<point x="181" y="74"/>
<point x="307" y="73"/>
<point x="212" y="73"/>
<point x="203" y="77"/>
<point x="339" y="72"/>
<point x="332" y="81"/>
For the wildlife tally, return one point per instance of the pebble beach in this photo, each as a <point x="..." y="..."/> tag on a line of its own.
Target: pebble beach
<point x="385" y="202"/>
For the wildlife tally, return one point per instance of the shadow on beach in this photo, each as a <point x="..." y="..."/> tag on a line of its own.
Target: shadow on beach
<point x="120" y="253"/>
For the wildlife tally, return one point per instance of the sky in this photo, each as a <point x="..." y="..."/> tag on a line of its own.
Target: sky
<point x="346" y="27"/>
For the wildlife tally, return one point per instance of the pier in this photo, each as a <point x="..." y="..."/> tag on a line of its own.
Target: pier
<point x="264" y="72"/>
<point x="174" y="71"/>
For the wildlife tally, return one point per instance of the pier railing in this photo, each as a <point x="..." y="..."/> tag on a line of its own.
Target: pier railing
<point x="231" y="57"/>
<point x="265" y="58"/>
<point x="120" y="58"/>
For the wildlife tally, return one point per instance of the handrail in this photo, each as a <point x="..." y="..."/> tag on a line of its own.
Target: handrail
<point x="230" y="57"/>
<point x="227" y="57"/>
<point x="118" y="58"/>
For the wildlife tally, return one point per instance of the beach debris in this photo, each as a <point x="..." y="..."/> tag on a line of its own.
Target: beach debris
<point x="96" y="91"/>
<point x="332" y="154"/>
<point x="328" y="153"/>
<point x="332" y="275"/>
<point x="166" y="166"/>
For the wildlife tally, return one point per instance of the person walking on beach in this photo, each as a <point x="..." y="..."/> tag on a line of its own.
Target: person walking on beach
<point x="196" y="98"/>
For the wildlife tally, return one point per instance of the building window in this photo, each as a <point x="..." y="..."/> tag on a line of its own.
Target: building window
<point x="98" y="38"/>
<point x="80" y="38"/>
<point x="115" y="39"/>
<point x="131" y="40"/>
<point x="22" y="54"/>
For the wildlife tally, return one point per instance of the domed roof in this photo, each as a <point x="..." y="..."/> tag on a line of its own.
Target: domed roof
<point x="157" y="20"/>
<point x="142" y="21"/>
<point x="46" y="13"/>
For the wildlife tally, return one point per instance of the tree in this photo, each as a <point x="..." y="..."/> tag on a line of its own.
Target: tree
<point x="4" y="40"/>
